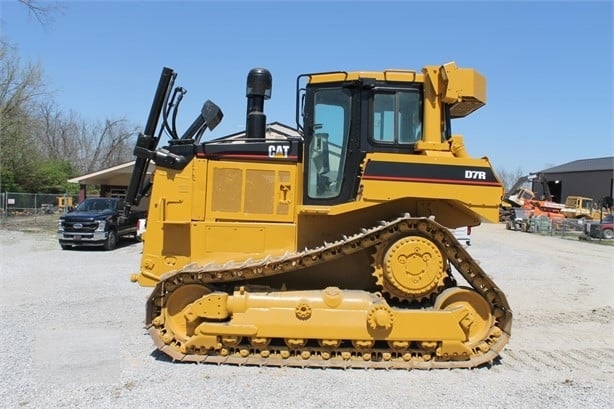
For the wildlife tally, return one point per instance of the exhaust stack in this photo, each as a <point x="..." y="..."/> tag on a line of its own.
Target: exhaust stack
<point x="259" y="84"/>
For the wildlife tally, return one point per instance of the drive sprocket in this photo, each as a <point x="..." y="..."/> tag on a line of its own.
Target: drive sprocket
<point x="412" y="268"/>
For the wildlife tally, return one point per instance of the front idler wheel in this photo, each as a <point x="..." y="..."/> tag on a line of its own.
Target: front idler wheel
<point x="176" y="305"/>
<point x="479" y="320"/>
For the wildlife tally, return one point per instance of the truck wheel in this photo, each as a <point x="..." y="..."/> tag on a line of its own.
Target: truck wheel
<point x="111" y="241"/>
<point x="607" y="234"/>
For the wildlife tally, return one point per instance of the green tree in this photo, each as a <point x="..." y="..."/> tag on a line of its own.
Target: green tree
<point x="20" y="88"/>
<point x="51" y="177"/>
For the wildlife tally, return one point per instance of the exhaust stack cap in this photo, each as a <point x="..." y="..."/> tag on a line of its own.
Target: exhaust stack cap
<point x="259" y="82"/>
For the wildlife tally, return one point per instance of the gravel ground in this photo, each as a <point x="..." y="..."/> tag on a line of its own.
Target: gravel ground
<point x="74" y="337"/>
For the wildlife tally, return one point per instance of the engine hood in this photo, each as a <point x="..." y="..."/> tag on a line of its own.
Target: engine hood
<point x="88" y="215"/>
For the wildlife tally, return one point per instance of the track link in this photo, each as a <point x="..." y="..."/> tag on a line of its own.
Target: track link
<point x="346" y="355"/>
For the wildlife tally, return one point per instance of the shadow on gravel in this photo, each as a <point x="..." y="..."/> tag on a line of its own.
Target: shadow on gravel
<point x="162" y="357"/>
<point x="488" y="365"/>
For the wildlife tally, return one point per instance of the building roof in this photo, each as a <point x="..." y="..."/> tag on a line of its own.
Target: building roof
<point x="116" y="175"/>
<point x="273" y="130"/>
<point x="583" y="165"/>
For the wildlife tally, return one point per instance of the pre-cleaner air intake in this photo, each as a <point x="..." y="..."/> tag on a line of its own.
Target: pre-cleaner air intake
<point x="259" y="83"/>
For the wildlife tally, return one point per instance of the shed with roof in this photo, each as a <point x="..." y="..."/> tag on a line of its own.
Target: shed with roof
<point x="593" y="178"/>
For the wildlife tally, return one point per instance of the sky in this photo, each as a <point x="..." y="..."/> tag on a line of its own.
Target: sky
<point x="548" y="65"/>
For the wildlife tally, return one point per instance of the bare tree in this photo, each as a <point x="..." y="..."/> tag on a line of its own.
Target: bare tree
<point x="20" y="87"/>
<point x="508" y="178"/>
<point x="112" y="144"/>
<point x="42" y="10"/>
<point x="58" y="132"/>
<point x="88" y="146"/>
<point x="92" y="147"/>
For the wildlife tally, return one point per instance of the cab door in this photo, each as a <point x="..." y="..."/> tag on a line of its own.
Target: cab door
<point x="332" y="145"/>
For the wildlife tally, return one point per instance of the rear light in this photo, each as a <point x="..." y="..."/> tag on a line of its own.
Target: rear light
<point x="141" y="226"/>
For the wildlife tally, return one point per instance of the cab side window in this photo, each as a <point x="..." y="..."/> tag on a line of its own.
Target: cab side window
<point x="396" y="117"/>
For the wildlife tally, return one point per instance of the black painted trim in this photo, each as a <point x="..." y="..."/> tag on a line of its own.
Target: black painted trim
<point x="430" y="173"/>
<point x="282" y="150"/>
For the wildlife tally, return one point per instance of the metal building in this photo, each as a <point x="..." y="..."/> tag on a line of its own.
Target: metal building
<point x="592" y="178"/>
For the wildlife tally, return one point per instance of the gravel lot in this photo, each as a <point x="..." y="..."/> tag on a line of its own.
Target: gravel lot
<point x="74" y="337"/>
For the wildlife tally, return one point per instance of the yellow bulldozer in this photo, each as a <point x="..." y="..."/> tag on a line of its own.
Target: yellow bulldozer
<point x="331" y="248"/>
<point x="579" y="207"/>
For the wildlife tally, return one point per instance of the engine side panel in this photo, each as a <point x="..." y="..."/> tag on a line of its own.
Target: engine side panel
<point x="218" y="210"/>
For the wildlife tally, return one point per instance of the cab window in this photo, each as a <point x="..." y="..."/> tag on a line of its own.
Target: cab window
<point x="327" y="148"/>
<point x="396" y="117"/>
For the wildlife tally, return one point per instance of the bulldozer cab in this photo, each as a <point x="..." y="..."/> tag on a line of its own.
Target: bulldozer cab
<point x="336" y="143"/>
<point x="346" y="116"/>
<point x="578" y="202"/>
<point x="520" y="196"/>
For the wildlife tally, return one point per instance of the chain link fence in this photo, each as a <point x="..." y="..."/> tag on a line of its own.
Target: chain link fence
<point x="567" y="228"/>
<point x="34" y="208"/>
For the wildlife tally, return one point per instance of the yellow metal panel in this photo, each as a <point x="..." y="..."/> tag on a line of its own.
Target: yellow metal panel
<point x="177" y="237"/>
<point x="173" y="197"/>
<point x="387" y="75"/>
<point x="431" y="120"/>
<point x="226" y="189"/>
<point x="172" y="245"/>
<point x="199" y="176"/>
<point x="168" y="240"/>
<point x="232" y="240"/>
<point x="327" y="317"/>
<point x="263" y="191"/>
<point x="414" y="325"/>
<point x="475" y="198"/>
<point x="465" y="83"/>
<point x="259" y="191"/>
<point x="279" y="237"/>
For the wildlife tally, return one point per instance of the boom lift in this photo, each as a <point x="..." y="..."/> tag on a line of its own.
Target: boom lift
<point x="331" y="249"/>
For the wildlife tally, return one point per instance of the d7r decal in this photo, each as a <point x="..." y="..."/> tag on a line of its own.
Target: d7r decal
<point x="475" y="174"/>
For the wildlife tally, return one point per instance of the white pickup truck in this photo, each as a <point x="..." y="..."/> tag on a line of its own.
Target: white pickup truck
<point x="463" y="235"/>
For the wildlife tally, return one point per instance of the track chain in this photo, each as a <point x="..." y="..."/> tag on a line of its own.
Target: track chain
<point x="341" y="357"/>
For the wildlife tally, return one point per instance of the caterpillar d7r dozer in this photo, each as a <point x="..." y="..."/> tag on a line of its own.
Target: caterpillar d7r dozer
<point x="330" y="248"/>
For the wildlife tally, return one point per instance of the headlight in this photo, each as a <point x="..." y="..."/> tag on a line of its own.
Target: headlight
<point x="60" y="226"/>
<point x="101" y="225"/>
